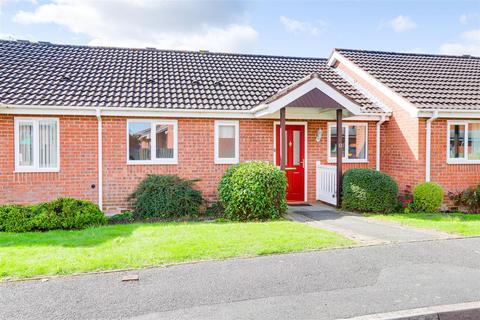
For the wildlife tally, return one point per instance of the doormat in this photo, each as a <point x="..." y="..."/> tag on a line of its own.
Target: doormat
<point x="299" y="204"/>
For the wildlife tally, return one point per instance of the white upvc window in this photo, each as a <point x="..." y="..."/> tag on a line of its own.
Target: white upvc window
<point x="463" y="142"/>
<point x="37" y="145"/>
<point x="152" y="141"/>
<point x="226" y="142"/>
<point x="355" y="141"/>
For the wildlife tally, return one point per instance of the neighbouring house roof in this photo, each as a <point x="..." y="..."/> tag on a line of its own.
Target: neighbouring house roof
<point x="67" y="75"/>
<point x="428" y="81"/>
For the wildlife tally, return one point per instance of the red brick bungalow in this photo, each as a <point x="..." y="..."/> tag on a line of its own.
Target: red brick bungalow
<point x="91" y="122"/>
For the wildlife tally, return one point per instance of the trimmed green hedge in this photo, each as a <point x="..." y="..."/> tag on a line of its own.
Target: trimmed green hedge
<point x="253" y="191"/>
<point x="427" y="197"/>
<point x="165" y="197"/>
<point x="62" y="213"/>
<point x="367" y="190"/>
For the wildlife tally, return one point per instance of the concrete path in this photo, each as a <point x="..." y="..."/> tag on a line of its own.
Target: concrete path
<point x="361" y="229"/>
<point x="331" y="284"/>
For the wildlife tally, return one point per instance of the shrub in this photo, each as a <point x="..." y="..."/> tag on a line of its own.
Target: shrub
<point x="469" y="198"/>
<point x="427" y="197"/>
<point x="368" y="190"/>
<point x="165" y="197"/>
<point x="253" y="191"/>
<point x="125" y="217"/>
<point x="62" y="213"/>
<point x="16" y="218"/>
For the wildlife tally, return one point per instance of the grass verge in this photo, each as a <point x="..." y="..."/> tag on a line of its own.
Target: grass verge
<point x="457" y="223"/>
<point x="140" y="245"/>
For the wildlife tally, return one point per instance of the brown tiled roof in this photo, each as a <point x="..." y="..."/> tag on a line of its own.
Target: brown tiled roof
<point x="427" y="81"/>
<point x="67" y="75"/>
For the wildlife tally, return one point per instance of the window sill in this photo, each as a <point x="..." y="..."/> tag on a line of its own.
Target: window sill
<point x="146" y="163"/>
<point x="347" y="161"/>
<point x="57" y="170"/>
<point x="463" y="161"/>
<point x="226" y="161"/>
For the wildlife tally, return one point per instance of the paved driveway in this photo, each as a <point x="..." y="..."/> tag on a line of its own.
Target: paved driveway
<point x="361" y="229"/>
<point x="315" y="285"/>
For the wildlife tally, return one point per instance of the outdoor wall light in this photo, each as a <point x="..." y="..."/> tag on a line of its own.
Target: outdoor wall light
<point x="318" y="137"/>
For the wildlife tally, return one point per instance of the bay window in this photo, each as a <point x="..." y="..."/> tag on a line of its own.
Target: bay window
<point x="355" y="137"/>
<point x="463" y="142"/>
<point x="152" y="141"/>
<point x="36" y="145"/>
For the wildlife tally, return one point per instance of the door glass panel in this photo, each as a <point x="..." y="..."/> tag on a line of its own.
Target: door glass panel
<point x="164" y="142"/>
<point x="474" y="141"/>
<point x="282" y="145"/>
<point x="457" y="141"/>
<point x="296" y="147"/>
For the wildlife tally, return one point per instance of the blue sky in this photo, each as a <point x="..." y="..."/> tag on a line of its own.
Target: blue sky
<point x="299" y="28"/>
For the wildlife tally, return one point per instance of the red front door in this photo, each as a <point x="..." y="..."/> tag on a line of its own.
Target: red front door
<point x="295" y="160"/>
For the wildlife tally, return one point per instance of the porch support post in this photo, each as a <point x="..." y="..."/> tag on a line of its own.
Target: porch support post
<point x="340" y="147"/>
<point x="283" y="139"/>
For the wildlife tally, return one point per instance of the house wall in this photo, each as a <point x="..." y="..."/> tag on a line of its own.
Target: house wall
<point x="78" y="165"/>
<point x="78" y="159"/>
<point x="403" y="139"/>
<point x="403" y="148"/>
<point x="452" y="177"/>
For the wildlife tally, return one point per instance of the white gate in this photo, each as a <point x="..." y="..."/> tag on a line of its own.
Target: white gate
<point x="326" y="183"/>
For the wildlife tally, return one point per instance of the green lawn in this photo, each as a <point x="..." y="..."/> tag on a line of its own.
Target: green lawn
<point x="458" y="223"/>
<point x="140" y="245"/>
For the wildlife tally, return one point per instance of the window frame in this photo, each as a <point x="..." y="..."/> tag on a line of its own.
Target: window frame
<point x="217" y="159"/>
<point x="36" y="144"/>
<point x="465" y="159"/>
<point x="153" y="144"/>
<point x="345" y="159"/>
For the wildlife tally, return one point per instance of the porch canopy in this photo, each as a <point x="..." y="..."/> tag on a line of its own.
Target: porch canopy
<point x="313" y="98"/>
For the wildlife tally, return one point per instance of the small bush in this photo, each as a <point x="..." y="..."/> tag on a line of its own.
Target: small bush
<point x="16" y="218"/>
<point x="62" y="213"/>
<point x="253" y="191"/>
<point x="215" y="210"/>
<point x="165" y="197"/>
<point x="427" y="197"/>
<point x="368" y="190"/>
<point x="121" y="218"/>
<point x="469" y="199"/>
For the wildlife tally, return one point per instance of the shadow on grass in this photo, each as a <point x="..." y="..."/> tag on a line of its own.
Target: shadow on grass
<point x="67" y="238"/>
<point x="89" y="237"/>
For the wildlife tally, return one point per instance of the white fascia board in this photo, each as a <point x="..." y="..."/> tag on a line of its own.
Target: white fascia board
<point x="122" y="112"/>
<point x="303" y="89"/>
<point x="391" y="94"/>
<point x="454" y="114"/>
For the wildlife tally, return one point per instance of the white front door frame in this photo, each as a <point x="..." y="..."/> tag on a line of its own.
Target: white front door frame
<point x="302" y="123"/>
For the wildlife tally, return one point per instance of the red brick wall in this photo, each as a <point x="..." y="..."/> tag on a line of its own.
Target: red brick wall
<point x="78" y="156"/>
<point x="318" y="152"/>
<point x="78" y="164"/>
<point x="402" y="152"/>
<point x="403" y="148"/>
<point x="453" y="177"/>
<point x="195" y="156"/>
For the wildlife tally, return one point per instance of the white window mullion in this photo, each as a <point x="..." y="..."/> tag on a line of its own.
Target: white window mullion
<point x="35" y="146"/>
<point x="345" y="147"/>
<point x="153" y="139"/>
<point x="465" y="143"/>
